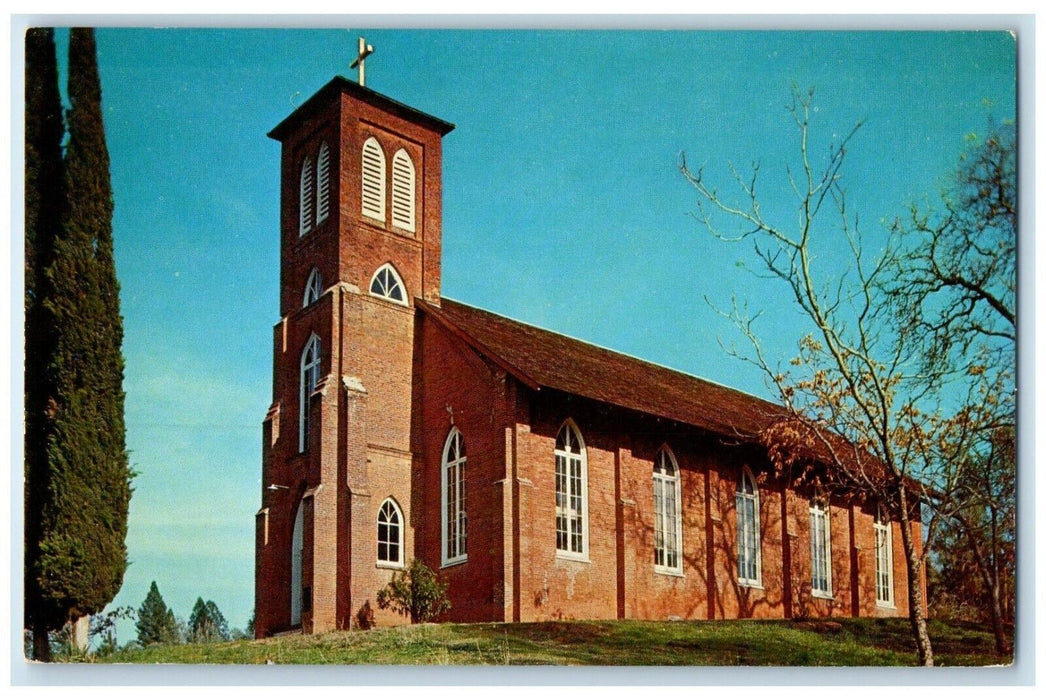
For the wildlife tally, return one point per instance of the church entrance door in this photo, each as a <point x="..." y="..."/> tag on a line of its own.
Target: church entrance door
<point x="296" y="550"/>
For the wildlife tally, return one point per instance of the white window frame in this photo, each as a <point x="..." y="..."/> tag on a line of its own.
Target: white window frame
<point x="390" y="509"/>
<point x="453" y="526"/>
<point x="381" y="279"/>
<point x="323" y="183"/>
<point x="372" y="180"/>
<point x="571" y="494"/>
<point x="403" y="190"/>
<point x="668" y="531"/>
<point x="749" y="541"/>
<point x="883" y="559"/>
<point x="820" y="546"/>
<point x="313" y="288"/>
<point x="307" y="381"/>
<point x="306" y="193"/>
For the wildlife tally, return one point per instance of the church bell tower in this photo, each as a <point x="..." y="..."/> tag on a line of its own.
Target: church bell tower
<point x="360" y="199"/>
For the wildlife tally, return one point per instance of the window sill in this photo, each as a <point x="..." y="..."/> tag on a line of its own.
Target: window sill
<point x="885" y="606"/>
<point x="570" y="556"/>
<point x="822" y="595"/>
<point x="389" y="565"/>
<point x="453" y="562"/>
<point x="755" y="585"/>
<point x="669" y="572"/>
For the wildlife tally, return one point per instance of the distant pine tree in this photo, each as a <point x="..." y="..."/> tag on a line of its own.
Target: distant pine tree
<point x="156" y="623"/>
<point x="207" y="624"/>
<point x="81" y="513"/>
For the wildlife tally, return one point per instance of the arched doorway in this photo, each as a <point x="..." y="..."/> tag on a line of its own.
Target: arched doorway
<point x="297" y="545"/>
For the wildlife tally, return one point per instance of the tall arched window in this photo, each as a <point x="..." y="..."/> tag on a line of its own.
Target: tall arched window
<point x="571" y="493"/>
<point x="820" y="546"/>
<point x="305" y="197"/>
<point x="403" y="191"/>
<point x="310" y="377"/>
<point x="668" y="536"/>
<point x="313" y="288"/>
<point x="390" y="534"/>
<point x="373" y="176"/>
<point x="748" y="546"/>
<point x="323" y="183"/>
<point x="386" y="283"/>
<point x="454" y="520"/>
<point x="883" y="558"/>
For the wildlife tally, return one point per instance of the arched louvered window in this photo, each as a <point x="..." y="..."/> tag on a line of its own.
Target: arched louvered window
<point x="668" y="535"/>
<point x="390" y="534"/>
<point x="323" y="183"/>
<point x="403" y="191"/>
<point x="883" y="558"/>
<point x="454" y="520"/>
<point x="571" y="494"/>
<point x="305" y="199"/>
<point x="387" y="283"/>
<point x="313" y="288"/>
<point x="310" y="377"/>
<point x="820" y="547"/>
<point x="749" y="562"/>
<point x="373" y="176"/>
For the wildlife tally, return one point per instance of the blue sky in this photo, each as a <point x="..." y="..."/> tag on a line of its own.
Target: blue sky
<point x="563" y="206"/>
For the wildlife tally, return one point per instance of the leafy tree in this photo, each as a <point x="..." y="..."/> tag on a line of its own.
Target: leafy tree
<point x="958" y="286"/>
<point x="860" y="414"/>
<point x="156" y="622"/>
<point x="207" y="624"/>
<point x="417" y="592"/>
<point x="78" y="478"/>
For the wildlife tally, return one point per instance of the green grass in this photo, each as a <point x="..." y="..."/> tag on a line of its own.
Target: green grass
<point x="860" y="642"/>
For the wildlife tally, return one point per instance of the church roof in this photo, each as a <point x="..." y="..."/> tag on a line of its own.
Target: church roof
<point x="543" y="359"/>
<point x="339" y="85"/>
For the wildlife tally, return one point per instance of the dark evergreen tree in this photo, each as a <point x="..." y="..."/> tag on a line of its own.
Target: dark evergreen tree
<point x="207" y="624"/>
<point x="82" y="509"/>
<point x="43" y="196"/>
<point x="156" y="623"/>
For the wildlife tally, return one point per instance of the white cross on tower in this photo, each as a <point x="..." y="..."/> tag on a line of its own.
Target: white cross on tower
<point x="364" y="51"/>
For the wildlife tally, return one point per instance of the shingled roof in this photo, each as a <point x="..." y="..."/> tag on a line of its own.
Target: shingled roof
<point x="542" y="359"/>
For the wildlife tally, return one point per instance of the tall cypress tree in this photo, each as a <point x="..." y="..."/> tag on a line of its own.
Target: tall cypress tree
<point x="83" y="510"/>
<point x="43" y="197"/>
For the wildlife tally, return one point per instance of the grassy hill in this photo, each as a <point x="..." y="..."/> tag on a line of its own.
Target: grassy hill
<point x="845" y="642"/>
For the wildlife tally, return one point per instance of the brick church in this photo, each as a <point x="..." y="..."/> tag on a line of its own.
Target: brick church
<point x="540" y="476"/>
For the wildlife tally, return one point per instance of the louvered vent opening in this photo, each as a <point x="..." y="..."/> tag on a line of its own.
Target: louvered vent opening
<point x="403" y="191"/>
<point x="373" y="180"/>
<point x="305" y="203"/>
<point x="323" y="184"/>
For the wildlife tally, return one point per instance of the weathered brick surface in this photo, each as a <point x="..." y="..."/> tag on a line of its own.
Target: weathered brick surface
<point x="395" y="379"/>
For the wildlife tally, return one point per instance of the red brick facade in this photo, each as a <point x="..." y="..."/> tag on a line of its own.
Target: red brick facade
<point x="396" y="378"/>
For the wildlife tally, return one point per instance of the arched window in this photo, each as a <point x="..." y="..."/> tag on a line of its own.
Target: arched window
<point x="820" y="546"/>
<point x="373" y="176"/>
<point x="386" y="283"/>
<point x="668" y="536"/>
<point x="313" y="288"/>
<point x="310" y="377"/>
<point x="305" y="199"/>
<point x="571" y="493"/>
<point x="748" y="546"/>
<point x="390" y="534"/>
<point x="323" y="183"/>
<point x="403" y="191"/>
<point x="883" y="558"/>
<point x="454" y="520"/>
